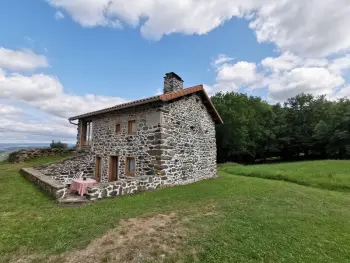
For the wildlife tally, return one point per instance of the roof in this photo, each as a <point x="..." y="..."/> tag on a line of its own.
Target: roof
<point x="163" y="97"/>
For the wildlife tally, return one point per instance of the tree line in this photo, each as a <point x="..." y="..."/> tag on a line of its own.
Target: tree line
<point x="304" y="126"/>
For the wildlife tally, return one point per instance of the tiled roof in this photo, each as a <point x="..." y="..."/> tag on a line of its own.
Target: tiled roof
<point x="163" y="97"/>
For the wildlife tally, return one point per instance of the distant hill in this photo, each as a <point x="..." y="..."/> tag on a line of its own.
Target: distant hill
<point x="7" y="148"/>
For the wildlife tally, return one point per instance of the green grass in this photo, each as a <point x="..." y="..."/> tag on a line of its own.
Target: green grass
<point x="254" y="220"/>
<point x="330" y="174"/>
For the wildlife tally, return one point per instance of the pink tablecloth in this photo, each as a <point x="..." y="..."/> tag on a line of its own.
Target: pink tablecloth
<point x="80" y="185"/>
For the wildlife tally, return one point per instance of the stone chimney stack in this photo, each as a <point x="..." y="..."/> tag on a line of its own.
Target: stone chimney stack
<point x="172" y="82"/>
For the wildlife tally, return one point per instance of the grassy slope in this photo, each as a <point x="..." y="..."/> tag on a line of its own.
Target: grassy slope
<point x="332" y="175"/>
<point x="254" y="220"/>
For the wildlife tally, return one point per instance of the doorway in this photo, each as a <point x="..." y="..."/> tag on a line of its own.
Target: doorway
<point x="98" y="169"/>
<point x="113" y="169"/>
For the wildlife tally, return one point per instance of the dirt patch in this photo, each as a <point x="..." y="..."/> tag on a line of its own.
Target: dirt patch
<point x="135" y="240"/>
<point x="159" y="238"/>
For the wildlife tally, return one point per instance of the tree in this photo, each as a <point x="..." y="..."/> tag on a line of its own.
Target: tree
<point x="304" y="127"/>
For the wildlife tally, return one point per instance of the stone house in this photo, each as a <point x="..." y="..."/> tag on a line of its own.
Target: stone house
<point x="164" y="140"/>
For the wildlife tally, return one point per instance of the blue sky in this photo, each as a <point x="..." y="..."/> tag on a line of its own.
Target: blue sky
<point x="64" y="57"/>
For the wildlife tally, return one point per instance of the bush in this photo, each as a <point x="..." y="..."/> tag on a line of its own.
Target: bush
<point x="58" y="145"/>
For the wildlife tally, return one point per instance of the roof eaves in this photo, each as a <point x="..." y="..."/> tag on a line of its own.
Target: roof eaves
<point x="117" y="107"/>
<point x="220" y="121"/>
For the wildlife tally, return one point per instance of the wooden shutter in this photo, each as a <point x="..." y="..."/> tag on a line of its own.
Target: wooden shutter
<point x="132" y="127"/>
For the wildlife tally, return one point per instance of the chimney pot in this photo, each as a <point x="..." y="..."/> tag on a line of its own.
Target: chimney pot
<point x="172" y="82"/>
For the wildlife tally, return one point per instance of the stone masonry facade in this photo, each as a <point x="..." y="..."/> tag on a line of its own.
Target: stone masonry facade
<point x="143" y="146"/>
<point x="188" y="141"/>
<point x="180" y="149"/>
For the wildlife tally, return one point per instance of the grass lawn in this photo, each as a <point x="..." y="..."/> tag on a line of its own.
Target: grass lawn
<point x="330" y="174"/>
<point x="230" y="219"/>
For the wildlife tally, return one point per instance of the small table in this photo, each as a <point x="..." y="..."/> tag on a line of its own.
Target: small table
<point x="80" y="185"/>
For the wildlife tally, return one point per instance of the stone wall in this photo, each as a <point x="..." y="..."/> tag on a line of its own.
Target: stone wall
<point x="144" y="145"/>
<point x="29" y="154"/>
<point x="185" y="149"/>
<point x="67" y="168"/>
<point x="48" y="185"/>
<point x="188" y="149"/>
<point x="175" y="140"/>
<point x="124" y="187"/>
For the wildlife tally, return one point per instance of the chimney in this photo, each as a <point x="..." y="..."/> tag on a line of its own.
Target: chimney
<point x="172" y="82"/>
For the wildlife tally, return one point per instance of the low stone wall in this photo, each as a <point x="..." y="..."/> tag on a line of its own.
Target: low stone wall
<point x="29" y="154"/>
<point x="134" y="185"/>
<point x="48" y="185"/>
<point x="67" y="168"/>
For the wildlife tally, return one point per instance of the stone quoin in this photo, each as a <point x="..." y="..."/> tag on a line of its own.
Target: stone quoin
<point x="161" y="141"/>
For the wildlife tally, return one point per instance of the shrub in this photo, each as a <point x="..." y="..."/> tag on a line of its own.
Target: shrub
<point x="58" y="145"/>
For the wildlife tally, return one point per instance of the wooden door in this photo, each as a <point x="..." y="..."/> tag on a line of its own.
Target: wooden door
<point x="113" y="168"/>
<point x="98" y="169"/>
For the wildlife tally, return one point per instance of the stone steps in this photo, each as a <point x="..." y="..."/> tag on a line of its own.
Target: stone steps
<point x="73" y="200"/>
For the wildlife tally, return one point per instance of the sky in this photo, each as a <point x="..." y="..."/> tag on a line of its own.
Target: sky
<point x="61" y="58"/>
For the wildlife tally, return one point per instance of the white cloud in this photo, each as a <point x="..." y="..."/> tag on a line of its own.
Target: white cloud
<point x="42" y="92"/>
<point x="340" y="64"/>
<point x="21" y="59"/>
<point x="59" y="15"/>
<point x="286" y="61"/>
<point x="221" y="59"/>
<point x="46" y="93"/>
<point x="283" y="76"/>
<point x="341" y="93"/>
<point x="47" y="129"/>
<point x="32" y="88"/>
<point x="89" y="13"/>
<point x="241" y="73"/>
<point x="67" y="105"/>
<point x="316" y="81"/>
<point x="310" y="28"/>
<point x="232" y="77"/>
<point x="306" y="34"/>
<point x="9" y="110"/>
<point x="159" y="17"/>
<point x="17" y="125"/>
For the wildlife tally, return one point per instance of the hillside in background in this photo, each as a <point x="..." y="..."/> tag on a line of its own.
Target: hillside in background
<point x="7" y="148"/>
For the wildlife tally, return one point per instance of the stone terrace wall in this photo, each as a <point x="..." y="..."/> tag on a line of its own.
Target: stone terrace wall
<point x="29" y="154"/>
<point x="134" y="185"/>
<point x="50" y="186"/>
<point x="124" y="187"/>
<point x="67" y="168"/>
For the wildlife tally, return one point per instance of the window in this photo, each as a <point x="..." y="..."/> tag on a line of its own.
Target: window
<point x="98" y="169"/>
<point x="132" y="127"/>
<point x="130" y="166"/>
<point x="86" y="133"/>
<point x="117" y="128"/>
<point x="113" y="168"/>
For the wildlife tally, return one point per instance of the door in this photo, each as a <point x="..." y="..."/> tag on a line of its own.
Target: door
<point x="98" y="169"/>
<point x="113" y="169"/>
